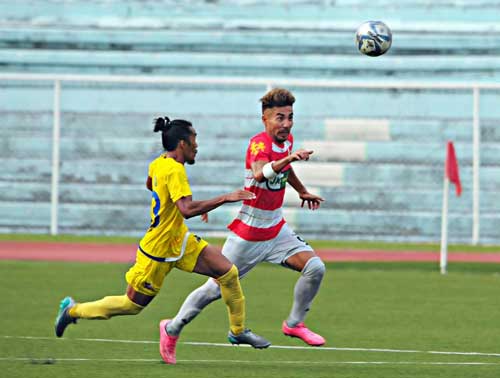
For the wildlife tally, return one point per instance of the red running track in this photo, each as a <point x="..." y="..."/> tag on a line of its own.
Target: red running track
<point x="80" y="252"/>
<point x="125" y="253"/>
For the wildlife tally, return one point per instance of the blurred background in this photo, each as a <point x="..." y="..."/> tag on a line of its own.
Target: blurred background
<point x="82" y="80"/>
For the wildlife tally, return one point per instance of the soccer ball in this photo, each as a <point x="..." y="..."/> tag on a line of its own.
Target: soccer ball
<point x="373" y="38"/>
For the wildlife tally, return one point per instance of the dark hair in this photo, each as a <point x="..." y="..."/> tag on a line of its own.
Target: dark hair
<point x="277" y="97"/>
<point x="173" y="131"/>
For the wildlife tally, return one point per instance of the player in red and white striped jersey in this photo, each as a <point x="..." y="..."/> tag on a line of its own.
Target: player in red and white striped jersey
<point x="259" y="232"/>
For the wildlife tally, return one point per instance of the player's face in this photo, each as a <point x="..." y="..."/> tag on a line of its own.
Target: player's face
<point x="278" y="122"/>
<point x="190" y="149"/>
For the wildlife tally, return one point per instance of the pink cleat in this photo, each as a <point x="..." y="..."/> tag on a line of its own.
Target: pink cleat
<point x="167" y="344"/>
<point x="304" y="333"/>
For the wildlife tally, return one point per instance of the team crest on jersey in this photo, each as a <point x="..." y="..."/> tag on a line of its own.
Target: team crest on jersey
<point x="279" y="182"/>
<point x="257" y="147"/>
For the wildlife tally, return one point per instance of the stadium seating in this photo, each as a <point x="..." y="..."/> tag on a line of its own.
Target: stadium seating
<point x="378" y="152"/>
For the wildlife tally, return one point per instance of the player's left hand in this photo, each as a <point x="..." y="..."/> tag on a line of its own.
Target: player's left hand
<point x="204" y="217"/>
<point x="313" y="201"/>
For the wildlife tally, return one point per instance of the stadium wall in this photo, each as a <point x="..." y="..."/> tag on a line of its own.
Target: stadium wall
<point x="379" y="152"/>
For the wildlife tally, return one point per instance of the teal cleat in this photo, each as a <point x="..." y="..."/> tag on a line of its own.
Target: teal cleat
<point x="63" y="318"/>
<point x="248" y="337"/>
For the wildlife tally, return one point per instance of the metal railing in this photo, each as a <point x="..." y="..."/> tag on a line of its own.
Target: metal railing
<point x="57" y="79"/>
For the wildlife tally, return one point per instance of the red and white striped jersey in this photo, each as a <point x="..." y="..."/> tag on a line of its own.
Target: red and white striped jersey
<point x="262" y="218"/>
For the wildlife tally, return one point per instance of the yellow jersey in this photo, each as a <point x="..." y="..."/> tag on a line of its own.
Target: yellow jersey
<point x="165" y="235"/>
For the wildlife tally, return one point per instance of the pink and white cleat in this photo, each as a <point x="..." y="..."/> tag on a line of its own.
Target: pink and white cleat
<point x="302" y="332"/>
<point x="167" y="344"/>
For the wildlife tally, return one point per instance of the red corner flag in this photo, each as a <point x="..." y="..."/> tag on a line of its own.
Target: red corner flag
<point x="451" y="167"/>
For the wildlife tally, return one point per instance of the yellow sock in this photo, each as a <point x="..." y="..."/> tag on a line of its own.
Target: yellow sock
<point x="232" y="295"/>
<point x="105" y="308"/>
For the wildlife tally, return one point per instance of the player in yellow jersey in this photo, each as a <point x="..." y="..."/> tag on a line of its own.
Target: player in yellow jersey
<point x="168" y="244"/>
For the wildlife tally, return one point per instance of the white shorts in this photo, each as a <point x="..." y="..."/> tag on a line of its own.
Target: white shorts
<point x="246" y="254"/>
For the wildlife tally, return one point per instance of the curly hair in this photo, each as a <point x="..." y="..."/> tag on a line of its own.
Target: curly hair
<point x="277" y="97"/>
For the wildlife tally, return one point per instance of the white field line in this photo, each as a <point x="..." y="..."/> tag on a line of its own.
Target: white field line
<point x="383" y="350"/>
<point x="195" y="343"/>
<point x="51" y="361"/>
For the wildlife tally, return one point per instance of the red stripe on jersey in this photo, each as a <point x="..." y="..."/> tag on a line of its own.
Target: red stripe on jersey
<point x="263" y="148"/>
<point x="253" y="233"/>
<point x="265" y="199"/>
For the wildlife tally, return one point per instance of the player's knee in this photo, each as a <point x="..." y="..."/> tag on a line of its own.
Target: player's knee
<point x="233" y="272"/>
<point x="130" y="308"/>
<point x="230" y="286"/>
<point x="229" y="278"/>
<point x="314" y="269"/>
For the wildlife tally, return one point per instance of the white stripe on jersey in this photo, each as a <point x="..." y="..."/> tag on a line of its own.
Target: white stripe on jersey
<point x="251" y="181"/>
<point x="285" y="147"/>
<point x="259" y="218"/>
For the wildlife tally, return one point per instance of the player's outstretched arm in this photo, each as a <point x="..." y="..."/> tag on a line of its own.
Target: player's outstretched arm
<point x="258" y="169"/>
<point x="190" y="208"/>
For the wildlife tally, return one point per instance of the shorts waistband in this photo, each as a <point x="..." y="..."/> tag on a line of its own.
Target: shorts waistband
<point x="168" y="259"/>
<point x="159" y="259"/>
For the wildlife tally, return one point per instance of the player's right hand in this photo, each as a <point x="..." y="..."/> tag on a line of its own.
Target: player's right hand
<point x="301" y="154"/>
<point x="239" y="195"/>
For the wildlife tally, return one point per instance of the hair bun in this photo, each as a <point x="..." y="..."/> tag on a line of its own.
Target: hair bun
<point x="161" y="124"/>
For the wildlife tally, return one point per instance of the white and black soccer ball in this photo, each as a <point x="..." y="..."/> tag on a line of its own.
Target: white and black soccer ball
<point x="373" y="38"/>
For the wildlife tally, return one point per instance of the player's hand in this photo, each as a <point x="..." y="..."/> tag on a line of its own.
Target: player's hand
<point x="313" y="201"/>
<point x="204" y="217"/>
<point x="239" y="195"/>
<point x="301" y="154"/>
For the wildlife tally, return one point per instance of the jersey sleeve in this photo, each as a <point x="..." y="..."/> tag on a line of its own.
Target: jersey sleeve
<point x="178" y="184"/>
<point x="151" y="168"/>
<point x="258" y="149"/>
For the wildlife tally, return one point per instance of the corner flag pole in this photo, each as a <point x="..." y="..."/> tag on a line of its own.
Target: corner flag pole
<point x="450" y="174"/>
<point x="443" y="256"/>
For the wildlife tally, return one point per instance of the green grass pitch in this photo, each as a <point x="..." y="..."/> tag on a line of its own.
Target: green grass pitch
<point x="380" y="320"/>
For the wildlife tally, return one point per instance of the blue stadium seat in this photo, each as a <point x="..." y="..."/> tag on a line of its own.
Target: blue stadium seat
<point x="379" y="153"/>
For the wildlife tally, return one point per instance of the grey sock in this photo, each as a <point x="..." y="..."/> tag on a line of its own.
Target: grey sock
<point x="306" y="288"/>
<point x="193" y="305"/>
